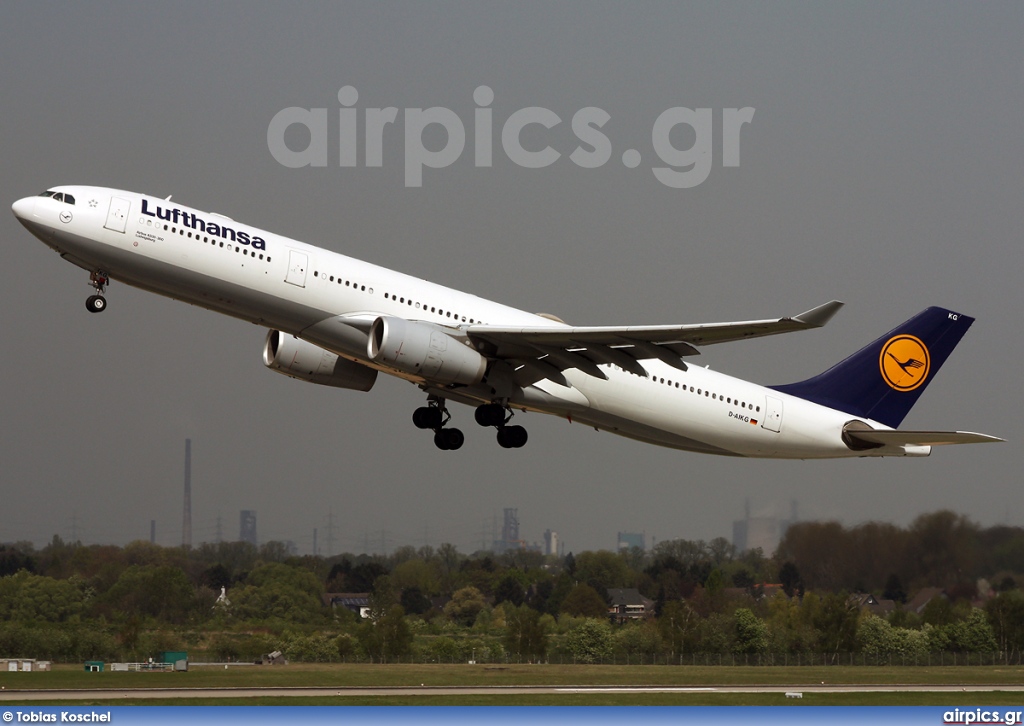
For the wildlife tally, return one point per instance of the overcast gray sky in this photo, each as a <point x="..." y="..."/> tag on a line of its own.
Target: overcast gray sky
<point x="882" y="167"/>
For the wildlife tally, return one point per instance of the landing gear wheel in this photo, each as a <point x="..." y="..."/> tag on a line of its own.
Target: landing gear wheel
<point x="449" y="439"/>
<point x="512" y="437"/>
<point x="96" y="304"/>
<point x="427" y="417"/>
<point x="490" y="414"/>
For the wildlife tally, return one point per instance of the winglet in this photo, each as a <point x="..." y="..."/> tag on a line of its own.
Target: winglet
<point x="817" y="317"/>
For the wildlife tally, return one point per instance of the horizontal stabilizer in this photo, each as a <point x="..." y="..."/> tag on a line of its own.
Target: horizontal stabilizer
<point x="919" y="438"/>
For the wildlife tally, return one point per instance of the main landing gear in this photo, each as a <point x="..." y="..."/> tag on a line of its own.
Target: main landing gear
<point x="494" y="414"/>
<point x="97" y="303"/>
<point x="434" y="416"/>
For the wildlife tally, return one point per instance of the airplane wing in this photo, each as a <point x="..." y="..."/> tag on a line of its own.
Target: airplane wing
<point x="920" y="438"/>
<point x="544" y="352"/>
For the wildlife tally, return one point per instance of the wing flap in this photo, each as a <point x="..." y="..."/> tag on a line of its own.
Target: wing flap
<point x="562" y="346"/>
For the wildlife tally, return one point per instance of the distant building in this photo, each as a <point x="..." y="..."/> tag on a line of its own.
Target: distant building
<point x="762" y="531"/>
<point x="629" y="540"/>
<point x="870" y="603"/>
<point x="550" y="542"/>
<point x="629" y="604"/>
<point x="357" y="602"/>
<point x="509" y="533"/>
<point x="247" y="527"/>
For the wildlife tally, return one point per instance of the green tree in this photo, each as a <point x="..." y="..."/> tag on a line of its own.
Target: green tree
<point x="878" y="637"/>
<point x="835" y="619"/>
<point x="584" y="601"/>
<point x="32" y="598"/>
<point x="637" y="640"/>
<point x="972" y="635"/>
<point x="465" y="605"/>
<point x="590" y="641"/>
<point x="511" y="588"/>
<point x="160" y="592"/>
<point x="894" y="589"/>
<point x="414" y="602"/>
<point x="525" y="636"/>
<point x="677" y="627"/>
<point x="789" y="576"/>
<point x="419" y="574"/>
<point x="752" y="635"/>
<point x="277" y="591"/>
<point x="1005" y="614"/>
<point x="388" y="637"/>
<point x="604" y="569"/>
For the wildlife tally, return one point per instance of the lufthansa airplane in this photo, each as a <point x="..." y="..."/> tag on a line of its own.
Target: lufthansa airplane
<point x="337" y="321"/>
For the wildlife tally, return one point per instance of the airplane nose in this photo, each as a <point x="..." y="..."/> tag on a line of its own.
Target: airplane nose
<point x="23" y="208"/>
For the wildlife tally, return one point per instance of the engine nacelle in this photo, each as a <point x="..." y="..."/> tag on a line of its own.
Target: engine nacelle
<point x="424" y="350"/>
<point x="293" y="357"/>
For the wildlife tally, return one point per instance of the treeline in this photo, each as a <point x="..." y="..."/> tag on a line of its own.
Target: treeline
<point x="68" y="601"/>
<point x="940" y="549"/>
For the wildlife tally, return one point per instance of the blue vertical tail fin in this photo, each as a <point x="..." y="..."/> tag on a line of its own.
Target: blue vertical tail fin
<point x="883" y="380"/>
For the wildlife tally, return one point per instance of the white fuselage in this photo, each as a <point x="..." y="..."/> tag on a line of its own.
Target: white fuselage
<point x="273" y="281"/>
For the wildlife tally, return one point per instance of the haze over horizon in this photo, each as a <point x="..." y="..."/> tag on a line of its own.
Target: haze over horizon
<point x="882" y="167"/>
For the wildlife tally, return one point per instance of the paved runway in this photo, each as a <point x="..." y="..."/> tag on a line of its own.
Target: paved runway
<point x="15" y="696"/>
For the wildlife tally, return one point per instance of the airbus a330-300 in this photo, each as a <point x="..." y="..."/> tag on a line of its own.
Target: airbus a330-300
<point x="337" y="321"/>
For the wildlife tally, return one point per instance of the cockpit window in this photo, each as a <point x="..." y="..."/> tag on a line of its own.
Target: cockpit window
<point x="59" y="196"/>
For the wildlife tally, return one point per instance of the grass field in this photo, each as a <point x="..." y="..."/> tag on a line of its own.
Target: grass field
<point x="362" y="675"/>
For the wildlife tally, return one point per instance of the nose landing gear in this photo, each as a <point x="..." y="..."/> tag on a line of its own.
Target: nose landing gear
<point x="97" y="303"/>
<point x="494" y="414"/>
<point x="434" y="416"/>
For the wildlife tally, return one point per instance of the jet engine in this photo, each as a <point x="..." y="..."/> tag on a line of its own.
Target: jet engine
<point x="296" y="358"/>
<point x="424" y="350"/>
